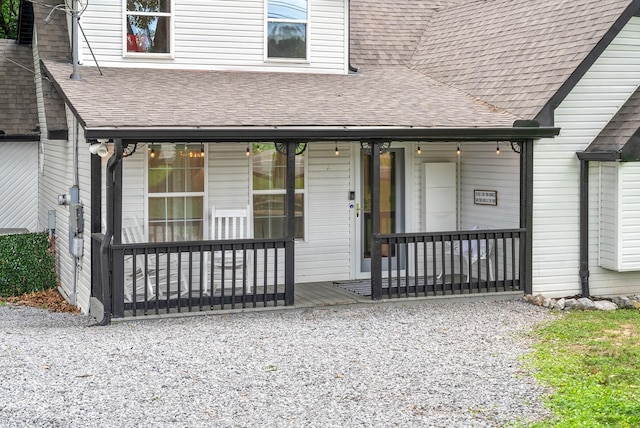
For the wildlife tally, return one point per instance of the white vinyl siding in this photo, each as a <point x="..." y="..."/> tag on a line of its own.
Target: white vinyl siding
<point x="581" y="117"/>
<point x="619" y="217"/>
<point x="19" y="190"/>
<point x="608" y="224"/>
<point x="482" y="169"/>
<point x="219" y="35"/>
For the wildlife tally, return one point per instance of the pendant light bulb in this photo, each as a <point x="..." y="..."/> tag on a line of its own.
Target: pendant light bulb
<point x="497" y="149"/>
<point x="458" y="150"/>
<point x="152" y="155"/>
<point x="248" y="152"/>
<point x="419" y="150"/>
<point x="336" y="150"/>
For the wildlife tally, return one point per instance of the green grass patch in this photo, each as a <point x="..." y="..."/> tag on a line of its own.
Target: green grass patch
<point x="591" y="359"/>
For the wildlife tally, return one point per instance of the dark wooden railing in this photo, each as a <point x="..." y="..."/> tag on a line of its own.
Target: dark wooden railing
<point x="162" y="278"/>
<point x="432" y="264"/>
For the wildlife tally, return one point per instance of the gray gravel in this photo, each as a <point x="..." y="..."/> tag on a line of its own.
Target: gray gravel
<point x="425" y="365"/>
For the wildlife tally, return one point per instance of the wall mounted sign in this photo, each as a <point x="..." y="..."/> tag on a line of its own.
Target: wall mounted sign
<point x="485" y="197"/>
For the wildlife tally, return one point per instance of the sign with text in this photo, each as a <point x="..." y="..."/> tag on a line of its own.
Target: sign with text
<point x="485" y="197"/>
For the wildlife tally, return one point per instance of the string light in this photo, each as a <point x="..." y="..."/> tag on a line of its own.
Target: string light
<point x="152" y="154"/>
<point x="201" y="150"/>
<point x="419" y="150"/>
<point x="497" y="148"/>
<point x="336" y="150"/>
<point x="458" y="150"/>
<point x="248" y="152"/>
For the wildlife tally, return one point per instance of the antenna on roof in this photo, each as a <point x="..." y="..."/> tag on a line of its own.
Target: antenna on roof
<point x="75" y="18"/>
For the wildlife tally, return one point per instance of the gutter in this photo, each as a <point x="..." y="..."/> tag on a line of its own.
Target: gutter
<point x="319" y="133"/>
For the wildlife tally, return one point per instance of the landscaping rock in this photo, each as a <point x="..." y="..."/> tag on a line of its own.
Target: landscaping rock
<point x="537" y="300"/>
<point x="635" y="304"/>
<point x="559" y="306"/>
<point x="585" y="304"/>
<point x="623" y="302"/>
<point x="605" y="305"/>
<point x="570" y="303"/>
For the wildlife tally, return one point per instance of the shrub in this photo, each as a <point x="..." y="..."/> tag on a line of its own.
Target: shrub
<point x="27" y="263"/>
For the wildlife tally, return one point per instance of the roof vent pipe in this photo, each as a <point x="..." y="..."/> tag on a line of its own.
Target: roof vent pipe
<point x="75" y="17"/>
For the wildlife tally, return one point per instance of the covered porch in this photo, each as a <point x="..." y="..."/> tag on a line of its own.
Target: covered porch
<point x="137" y="279"/>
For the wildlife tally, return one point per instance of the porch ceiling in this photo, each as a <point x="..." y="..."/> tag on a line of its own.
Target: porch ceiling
<point x="391" y="98"/>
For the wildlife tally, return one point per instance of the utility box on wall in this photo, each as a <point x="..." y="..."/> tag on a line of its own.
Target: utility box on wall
<point x="440" y="190"/>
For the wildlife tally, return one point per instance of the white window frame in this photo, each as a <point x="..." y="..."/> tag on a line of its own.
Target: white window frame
<point x="307" y="23"/>
<point x="170" y="14"/>
<point x="204" y="194"/>
<point x="305" y="215"/>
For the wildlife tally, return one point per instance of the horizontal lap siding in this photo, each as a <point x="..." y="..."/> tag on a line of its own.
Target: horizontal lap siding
<point x="326" y="254"/>
<point x="19" y="190"/>
<point x="219" y="35"/>
<point x="581" y="117"/>
<point x="482" y="169"/>
<point x="608" y="203"/>
<point x="631" y="216"/>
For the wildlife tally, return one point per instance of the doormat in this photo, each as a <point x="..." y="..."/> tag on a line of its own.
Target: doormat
<point x="363" y="287"/>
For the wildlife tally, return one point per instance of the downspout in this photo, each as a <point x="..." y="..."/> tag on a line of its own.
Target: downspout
<point x="75" y="199"/>
<point x="351" y="67"/>
<point x="584" y="228"/>
<point x="105" y="247"/>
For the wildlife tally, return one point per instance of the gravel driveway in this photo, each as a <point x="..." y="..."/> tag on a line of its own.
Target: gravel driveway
<point x="424" y="365"/>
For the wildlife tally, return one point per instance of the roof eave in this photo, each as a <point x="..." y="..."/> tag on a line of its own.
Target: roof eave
<point x="320" y="133"/>
<point x="20" y="137"/>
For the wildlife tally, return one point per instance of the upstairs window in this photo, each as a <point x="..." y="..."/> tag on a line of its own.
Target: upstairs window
<point x="287" y="29"/>
<point x="148" y="26"/>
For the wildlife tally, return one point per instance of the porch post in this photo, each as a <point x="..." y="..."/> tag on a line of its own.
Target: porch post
<point x="526" y="214"/>
<point x="290" y="213"/>
<point x="376" y="248"/>
<point x="116" y="221"/>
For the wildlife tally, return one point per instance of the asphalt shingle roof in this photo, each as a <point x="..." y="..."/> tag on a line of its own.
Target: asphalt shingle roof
<point x="387" y="32"/>
<point x="514" y="54"/>
<point x="620" y="129"/>
<point x="18" y="107"/>
<point x="389" y="96"/>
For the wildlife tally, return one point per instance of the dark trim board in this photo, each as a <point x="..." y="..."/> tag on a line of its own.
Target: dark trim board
<point x="546" y="115"/>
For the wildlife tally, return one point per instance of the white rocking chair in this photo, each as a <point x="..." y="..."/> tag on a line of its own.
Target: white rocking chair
<point x="146" y="276"/>
<point x="471" y="255"/>
<point x="230" y="224"/>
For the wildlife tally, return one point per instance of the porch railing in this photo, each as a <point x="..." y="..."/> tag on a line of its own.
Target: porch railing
<point x="433" y="264"/>
<point x="161" y="278"/>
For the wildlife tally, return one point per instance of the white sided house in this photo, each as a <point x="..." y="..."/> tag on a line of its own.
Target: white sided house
<point x="225" y="155"/>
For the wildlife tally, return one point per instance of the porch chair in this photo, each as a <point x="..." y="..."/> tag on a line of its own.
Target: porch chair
<point x="485" y="253"/>
<point x="230" y="224"/>
<point x="133" y="232"/>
